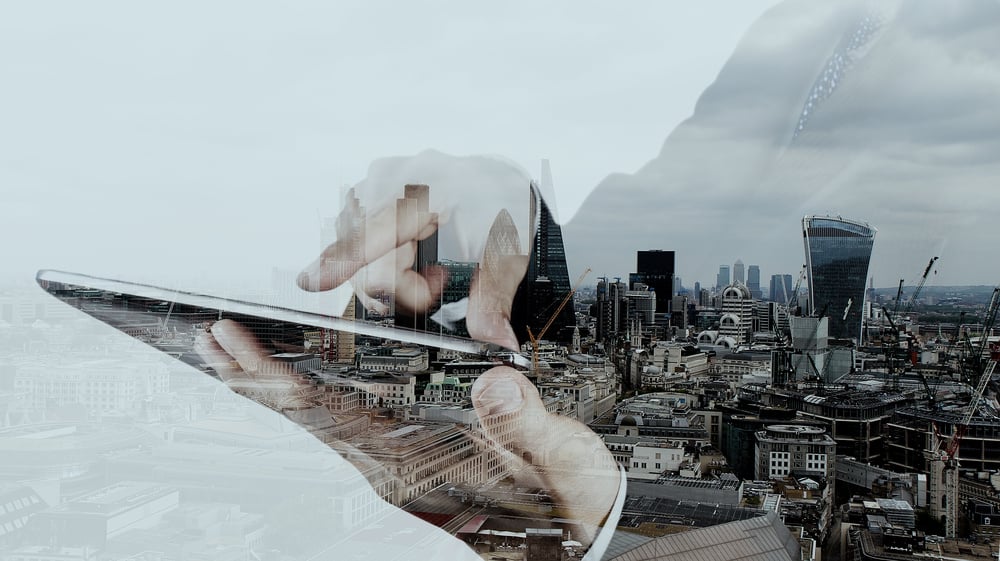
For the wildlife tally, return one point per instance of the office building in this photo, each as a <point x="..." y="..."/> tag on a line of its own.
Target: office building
<point x="722" y="279"/>
<point x="781" y="289"/>
<point x="655" y="269"/>
<point x="784" y="450"/>
<point x="611" y="309"/>
<point x="753" y="281"/>
<point x="739" y="272"/>
<point x="736" y="323"/>
<point x="838" y="252"/>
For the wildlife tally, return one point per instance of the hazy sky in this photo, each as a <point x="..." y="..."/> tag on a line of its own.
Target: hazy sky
<point x="192" y="139"/>
<point x="153" y="138"/>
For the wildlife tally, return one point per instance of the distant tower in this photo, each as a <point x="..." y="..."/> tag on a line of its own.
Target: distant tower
<point x="838" y="253"/>
<point x="781" y="289"/>
<point x="753" y="281"/>
<point x="739" y="274"/>
<point x="722" y="279"/>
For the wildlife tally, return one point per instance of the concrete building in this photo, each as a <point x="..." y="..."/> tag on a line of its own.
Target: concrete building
<point x="101" y="385"/>
<point x="857" y="420"/>
<point x="736" y="323"/>
<point x="389" y="359"/>
<point x="784" y="450"/>
<point x="420" y="457"/>
<point x="645" y="457"/>
<point x="576" y="389"/>
<point x="743" y="367"/>
<point x="96" y="517"/>
<point x="449" y="390"/>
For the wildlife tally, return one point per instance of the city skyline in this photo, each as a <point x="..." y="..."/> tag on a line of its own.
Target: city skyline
<point x="206" y="150"/>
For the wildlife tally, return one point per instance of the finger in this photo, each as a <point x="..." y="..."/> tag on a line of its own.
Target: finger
<point x="239" y="343"/>
<point x="265" y="381"/>
<point x="218" y="359"/>
<point x="417" y="291"/>
<point x="384" y="231"/>
<point x="412" y="290"/>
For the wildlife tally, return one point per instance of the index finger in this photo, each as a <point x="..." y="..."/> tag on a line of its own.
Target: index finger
<point x="363" y="239"/>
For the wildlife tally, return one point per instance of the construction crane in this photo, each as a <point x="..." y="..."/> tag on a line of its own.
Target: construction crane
<point x="920" y="286"/>
<point x="535" y="339"/>
<point x="795" y="291"/>
<point x="944" y="464"/>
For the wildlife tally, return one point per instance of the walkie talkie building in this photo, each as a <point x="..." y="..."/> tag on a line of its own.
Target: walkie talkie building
<point x="838" y="252"/>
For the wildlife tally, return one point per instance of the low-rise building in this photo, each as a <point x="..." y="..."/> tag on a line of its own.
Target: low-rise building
<point x="784" y="450"/>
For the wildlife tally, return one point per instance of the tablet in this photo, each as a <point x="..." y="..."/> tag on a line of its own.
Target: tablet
<point x="168" y="319"/>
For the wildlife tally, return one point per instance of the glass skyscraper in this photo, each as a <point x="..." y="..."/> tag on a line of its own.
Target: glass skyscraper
<point x="838" y="252"/>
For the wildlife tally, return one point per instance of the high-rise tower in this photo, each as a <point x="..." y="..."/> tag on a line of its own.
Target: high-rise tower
<point x="838" y="252"/>
<point x="753" y="281"/>
<point x="655" y="269"/>
<point x="722" y="279"/>
<point x="739" y="272"/>
<point x="546" y="282"/>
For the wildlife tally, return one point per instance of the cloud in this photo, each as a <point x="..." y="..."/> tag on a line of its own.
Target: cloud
<point x="908" y="142"/>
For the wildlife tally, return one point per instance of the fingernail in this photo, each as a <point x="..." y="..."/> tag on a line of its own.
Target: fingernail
<point x="501" y="397"/>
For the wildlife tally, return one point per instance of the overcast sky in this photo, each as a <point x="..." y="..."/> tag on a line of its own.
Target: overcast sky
<point x="206" y="140"/>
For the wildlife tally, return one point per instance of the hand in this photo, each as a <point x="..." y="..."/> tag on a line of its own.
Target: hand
<point x="383" y="223"/>
<point x="552" y="452"/>
<point x="543" y="449"/>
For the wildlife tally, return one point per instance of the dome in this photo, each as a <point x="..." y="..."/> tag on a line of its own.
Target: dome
<point x="729" y="320"/>
<point x="727" y="342"/>
<point x="736" y="291"/>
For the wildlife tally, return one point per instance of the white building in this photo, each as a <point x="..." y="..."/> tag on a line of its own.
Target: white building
<point x="397" y="360"/>
<point x="738" y="307"/>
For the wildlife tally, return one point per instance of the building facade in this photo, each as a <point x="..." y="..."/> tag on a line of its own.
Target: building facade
<point x="838" y="252"/>
<point x="783" y="450"/>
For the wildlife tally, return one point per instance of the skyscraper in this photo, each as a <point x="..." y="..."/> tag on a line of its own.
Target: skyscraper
<point x="753" y="281"/>
<point x="655" y="269"/>
<point x="838" y="252"/>
<point x="739" y="273"/>
<point x="722" y="279"/>
<point x="545" y="284"/>
<point x="781" y="289"/>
